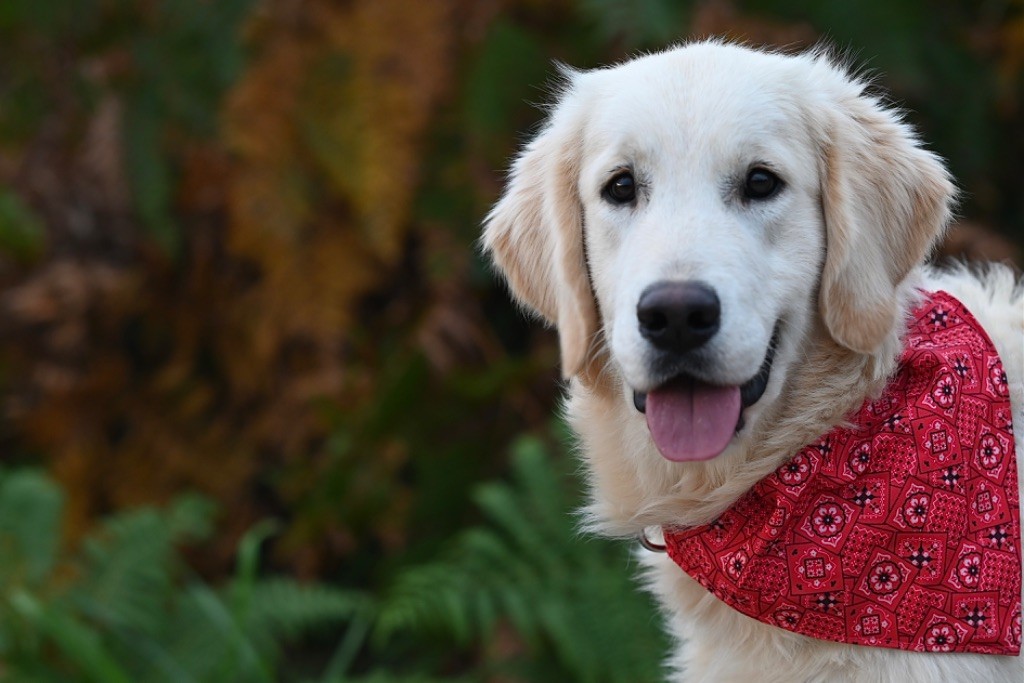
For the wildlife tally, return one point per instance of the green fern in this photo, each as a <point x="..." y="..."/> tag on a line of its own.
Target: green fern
<point x="123" y="607"/>
<point x="30" y="510"/>
<point x="569" y="599"/>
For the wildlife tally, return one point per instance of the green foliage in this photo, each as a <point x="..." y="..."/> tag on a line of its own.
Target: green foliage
<point x="643" y="24"/>
<point x="184" y="66"/>
<point x="183" y="56"/>
<point x="29" y="528"/>
<point x="569" y="600"/>
<point x="22" y="235"/>
<point x="124" y="608"/>
<point x="510" y="67"/>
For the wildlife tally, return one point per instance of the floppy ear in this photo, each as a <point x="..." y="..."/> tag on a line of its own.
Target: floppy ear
<point x="885" y="201"/>
<point x="535" y="235"/>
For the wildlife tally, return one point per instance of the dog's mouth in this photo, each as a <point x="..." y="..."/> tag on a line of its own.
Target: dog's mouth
<point x="691" y="420"/>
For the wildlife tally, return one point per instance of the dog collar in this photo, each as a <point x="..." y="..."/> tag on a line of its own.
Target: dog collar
<point x="900" y="532"/>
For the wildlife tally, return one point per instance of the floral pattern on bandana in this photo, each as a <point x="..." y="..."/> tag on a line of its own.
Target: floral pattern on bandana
<point x="900" y="532"/>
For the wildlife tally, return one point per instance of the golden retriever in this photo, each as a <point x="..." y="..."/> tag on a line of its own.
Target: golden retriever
<point x="729" y="242"/>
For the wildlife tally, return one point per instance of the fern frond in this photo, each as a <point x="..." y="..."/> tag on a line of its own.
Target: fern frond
<point x="81" y="645"/>
<point x="190" y="517"/>
<point x="30" y="511"/>
<point x="284" y="609"/>
<point x="569" y="599"/>
<point x="127" y="571"/>
<point x="241" y="659"/>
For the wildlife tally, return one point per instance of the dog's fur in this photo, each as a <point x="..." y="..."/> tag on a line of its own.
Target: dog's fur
<point x="835" y="257"/>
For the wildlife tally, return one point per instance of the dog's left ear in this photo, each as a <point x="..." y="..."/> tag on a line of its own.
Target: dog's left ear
<point x="535" y="234"/>
<point x="886" y="201"/>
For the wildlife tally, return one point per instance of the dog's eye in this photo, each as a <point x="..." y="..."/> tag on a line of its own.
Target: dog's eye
<point x="761" y="184"/>
<point x="621" y="189"/>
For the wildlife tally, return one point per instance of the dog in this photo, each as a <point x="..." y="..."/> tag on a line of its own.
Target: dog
<point x="731" y="244"/>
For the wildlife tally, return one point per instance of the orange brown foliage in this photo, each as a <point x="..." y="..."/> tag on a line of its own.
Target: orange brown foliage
<point x="213" y="374"/>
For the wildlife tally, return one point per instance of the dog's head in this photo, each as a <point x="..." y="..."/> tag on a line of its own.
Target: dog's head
<point x="685" y="218"/>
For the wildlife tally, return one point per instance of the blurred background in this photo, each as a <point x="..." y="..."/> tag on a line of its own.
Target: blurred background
<point x="267" y="416"/>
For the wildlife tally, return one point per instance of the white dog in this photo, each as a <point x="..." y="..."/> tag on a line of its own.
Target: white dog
<point x="730" y="243"/>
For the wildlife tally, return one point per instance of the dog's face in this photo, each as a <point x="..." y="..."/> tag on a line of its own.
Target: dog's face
<point x="703" y="231"/>
<point x="686" y="217"/>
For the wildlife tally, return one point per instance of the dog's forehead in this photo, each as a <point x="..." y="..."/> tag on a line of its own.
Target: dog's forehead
<point x="694" y="92"/>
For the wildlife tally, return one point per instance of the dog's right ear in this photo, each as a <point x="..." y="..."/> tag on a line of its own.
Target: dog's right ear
<point x="534" y="234"/>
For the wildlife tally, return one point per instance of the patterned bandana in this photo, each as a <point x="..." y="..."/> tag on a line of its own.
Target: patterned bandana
<point x="903" y="532"/>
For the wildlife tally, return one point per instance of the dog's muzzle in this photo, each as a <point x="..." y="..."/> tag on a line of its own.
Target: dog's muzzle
<point x="751" y="391"/>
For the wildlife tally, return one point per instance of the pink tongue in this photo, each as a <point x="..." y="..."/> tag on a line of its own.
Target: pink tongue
<point x="690" y="420"/>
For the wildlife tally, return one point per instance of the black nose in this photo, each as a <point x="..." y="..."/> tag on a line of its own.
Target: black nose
<point x="678" y="316"/>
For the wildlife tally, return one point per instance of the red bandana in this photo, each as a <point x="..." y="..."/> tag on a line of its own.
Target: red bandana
<point x="903" y="532"/>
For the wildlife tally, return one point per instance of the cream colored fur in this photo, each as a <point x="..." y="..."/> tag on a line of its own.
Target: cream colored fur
<point x="836" y="257"/>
